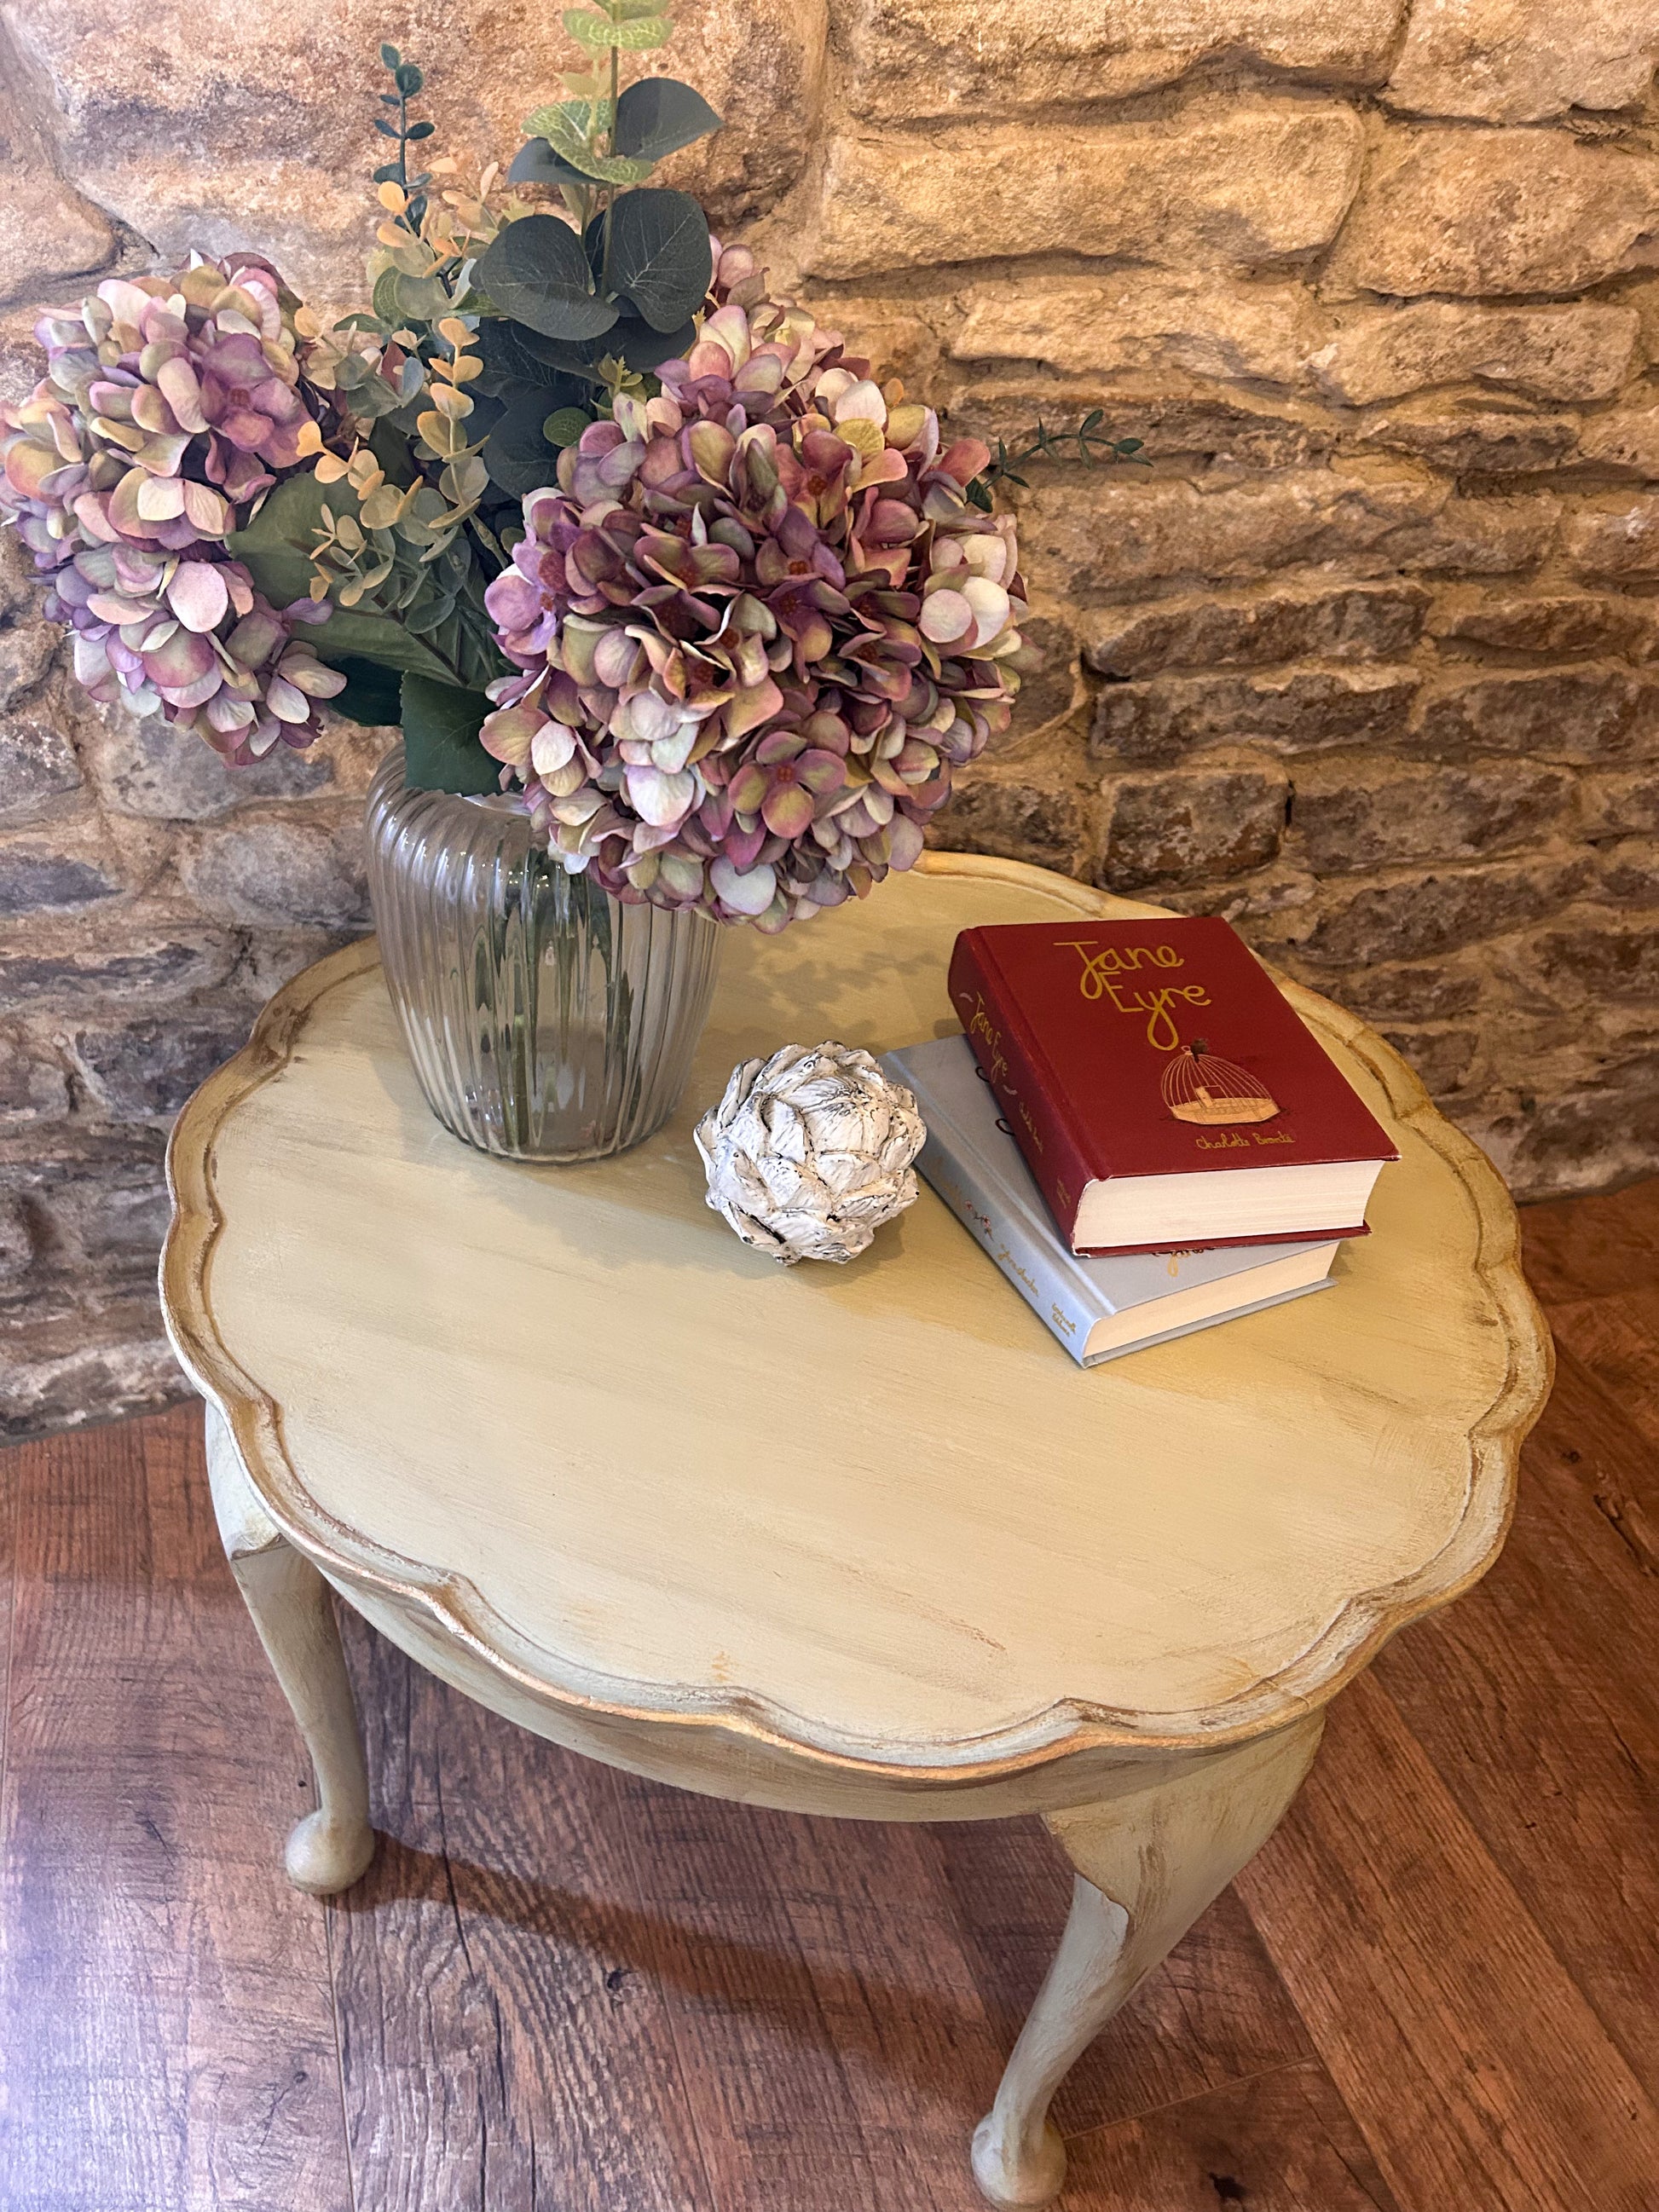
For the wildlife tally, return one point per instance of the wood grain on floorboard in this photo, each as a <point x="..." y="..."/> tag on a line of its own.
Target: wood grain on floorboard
<point x="560" y="1988"/>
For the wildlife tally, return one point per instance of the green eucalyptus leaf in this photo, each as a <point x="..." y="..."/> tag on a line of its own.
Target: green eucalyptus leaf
<point x="420" y="299"/>
<point x="659" y="115"/>
<point x="419" y="131"/>
<point x="565" y="425"/>
<point x="659" y="257"/>
<point x="385" y="298"/>
<point x="570" y="128"/>
<point x="386" y="130"/>
<point x="516" y="451"/>
<point x="644" y="349"/>
<point x="536" y="163"/>
<point x="536" y="272"/>
<point x="442" y="751"/>
<point x="409" y="79"/>
<point x="599" y="33"/>
<point x="389" y="55"/>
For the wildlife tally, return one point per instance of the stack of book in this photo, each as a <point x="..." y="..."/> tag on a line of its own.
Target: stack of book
<point x="1139" y="1128"/>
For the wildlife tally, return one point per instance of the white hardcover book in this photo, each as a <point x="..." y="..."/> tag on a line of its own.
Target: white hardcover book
<point x="1099" y="1309"/>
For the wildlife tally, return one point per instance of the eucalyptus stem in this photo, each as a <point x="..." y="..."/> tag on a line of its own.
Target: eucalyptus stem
<point x="610" y="195"/>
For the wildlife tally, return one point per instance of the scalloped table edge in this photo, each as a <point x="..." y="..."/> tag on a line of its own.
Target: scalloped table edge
<point x="1058" y="1731"/>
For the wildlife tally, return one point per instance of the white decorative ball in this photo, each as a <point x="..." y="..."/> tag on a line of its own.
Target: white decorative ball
<point x="809" y="1153"/>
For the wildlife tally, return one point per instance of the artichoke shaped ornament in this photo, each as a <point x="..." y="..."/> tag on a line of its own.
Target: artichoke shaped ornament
<point x="809" y="1153"/>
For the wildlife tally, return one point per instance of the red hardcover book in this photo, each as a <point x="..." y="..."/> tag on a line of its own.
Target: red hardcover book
<point x="1164" y="1092"/>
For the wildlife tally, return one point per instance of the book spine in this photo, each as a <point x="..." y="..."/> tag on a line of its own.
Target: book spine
<point x="1010" y="1241"/>
<point x="1014" y="1062"/>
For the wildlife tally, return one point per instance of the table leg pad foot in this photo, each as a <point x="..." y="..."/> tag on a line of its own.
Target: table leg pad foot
<point x="323" y="1857"/>
<point x="1018" y="2174"/>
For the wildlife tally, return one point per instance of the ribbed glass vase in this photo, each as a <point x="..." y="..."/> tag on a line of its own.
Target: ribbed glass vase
<point x="546" y="1020"/>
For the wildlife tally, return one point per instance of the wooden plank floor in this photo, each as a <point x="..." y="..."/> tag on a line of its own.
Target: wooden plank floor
<point x="562" y="1990"/>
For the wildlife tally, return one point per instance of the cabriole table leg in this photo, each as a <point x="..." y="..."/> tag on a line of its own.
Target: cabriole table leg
<point x="294" y="1613"/>
<point x="1147" y="1864"/>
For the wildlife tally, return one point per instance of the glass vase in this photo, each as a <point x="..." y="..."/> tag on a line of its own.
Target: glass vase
<point x="546" y="1020"/>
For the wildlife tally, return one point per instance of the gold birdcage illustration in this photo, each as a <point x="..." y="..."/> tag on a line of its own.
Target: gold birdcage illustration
<point x="1199" y="1086"/>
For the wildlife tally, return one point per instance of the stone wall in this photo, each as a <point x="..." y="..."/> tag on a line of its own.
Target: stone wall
<point x="1364" y="656"/>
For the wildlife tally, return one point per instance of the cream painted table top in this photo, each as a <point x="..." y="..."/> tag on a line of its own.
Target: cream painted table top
<point x="855" y="1539"/>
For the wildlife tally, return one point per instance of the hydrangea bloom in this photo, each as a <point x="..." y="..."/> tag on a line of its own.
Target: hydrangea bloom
<point x="168" y="408"/>
<point x="758" y="624"/>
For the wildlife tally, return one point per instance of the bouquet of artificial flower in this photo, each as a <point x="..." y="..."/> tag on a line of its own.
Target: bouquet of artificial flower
<point x="572" y="499"/>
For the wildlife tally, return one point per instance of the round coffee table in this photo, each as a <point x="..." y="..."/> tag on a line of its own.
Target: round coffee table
<point x="856" y="1540"/>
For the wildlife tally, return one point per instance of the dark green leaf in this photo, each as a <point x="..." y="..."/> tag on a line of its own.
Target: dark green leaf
<point x="441" y="751"/>
<point x="513" y="355"/>
<point x="536" y="272"/>
<point x="371" y="696"/>
<point x="516" y="453"/>
<point x="390" y="99"/>
<point x="419" y="131"/>
<point x="658" y="115"/>
<point x="1130" y="445"/>
<point x="660" y="261"/>
<point x="536" y="163"/>
<point x="390" y="56"/>
<point x="643" y="349"/>
<point x="410" y="79"/>
<point x="387" y="173"/>
<point x="386" y="130"/>
<point x="277" y="545"/>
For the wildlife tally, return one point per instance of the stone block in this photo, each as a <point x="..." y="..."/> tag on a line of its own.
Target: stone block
<point x="33" y="1086"/>
<point x="1441" y="1059"/>
<point x="38" y="764"/>
<point x="1225" y="182"/>
<point x="1591" y="1134"/>
<point x="1592" y="958"/>
<point x="1625" y="438"/>
<point x="1119" y="533"/>
<point x="27" y="647"/>
<point x="1295" y="710"/>
<point x="143" y="1071"/>
<point x="1619" y="540"/>
<point x="1016" y="817"/>
<point x="276" y="873"/>
<point x="1199" y="429"/>
<point x="1544" y="621"/>
<point x="1620" y="803"/>
<point x="1429" y="990"/>
<point x="1522" y="61"/>
<point x="1190" y="825"/>
<point x="1421" y="913"/>
<point x="115" y="1217"/>
<point x="144" y="765"/>
<point x="1143" y="319"/>
<point x="910" y="60"/>
<point x="1357" y="811"/>
<point x="1477" y="212"/>
<point x="1352" y="622"/>
<point x="50" y="231"/>
<point x="38" y="875"/>
<point x="16" y="1241"/>
<point x="1578" y="351"/>
<point x="1482" y="537"/>
<point x="43" y="966"/>
<point x="249" y="131"/>
<point x="110" y="1360"/>
<point x="1586" y="713"/>
<point x="1627" y="871"/>
<point x="1472" y="440"/>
